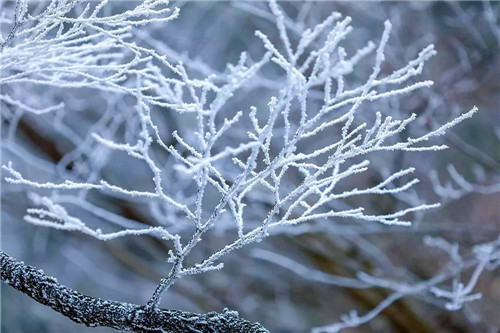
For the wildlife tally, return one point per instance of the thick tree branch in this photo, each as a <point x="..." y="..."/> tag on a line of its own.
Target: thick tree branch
<point x="93" y="312"/>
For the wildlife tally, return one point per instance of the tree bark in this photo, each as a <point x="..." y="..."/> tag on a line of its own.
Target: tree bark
<point x="94" y="312"/>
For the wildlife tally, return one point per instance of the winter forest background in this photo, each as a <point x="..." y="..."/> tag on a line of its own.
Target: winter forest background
<point x="73" y="112"/>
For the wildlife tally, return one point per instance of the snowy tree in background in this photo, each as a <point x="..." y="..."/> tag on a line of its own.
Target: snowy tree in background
<point x="163" y="147"/>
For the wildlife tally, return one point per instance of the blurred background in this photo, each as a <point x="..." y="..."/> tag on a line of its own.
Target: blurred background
<point x="258" y="281"/>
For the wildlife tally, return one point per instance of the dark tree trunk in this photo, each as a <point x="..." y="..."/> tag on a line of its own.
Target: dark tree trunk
<point x="93" y="312"/>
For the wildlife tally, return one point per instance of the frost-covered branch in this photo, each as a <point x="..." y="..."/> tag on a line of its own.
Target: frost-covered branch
<point x="485" y="256"/>
<point x="201" y="160"/>
<point x="94" y="312"/>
